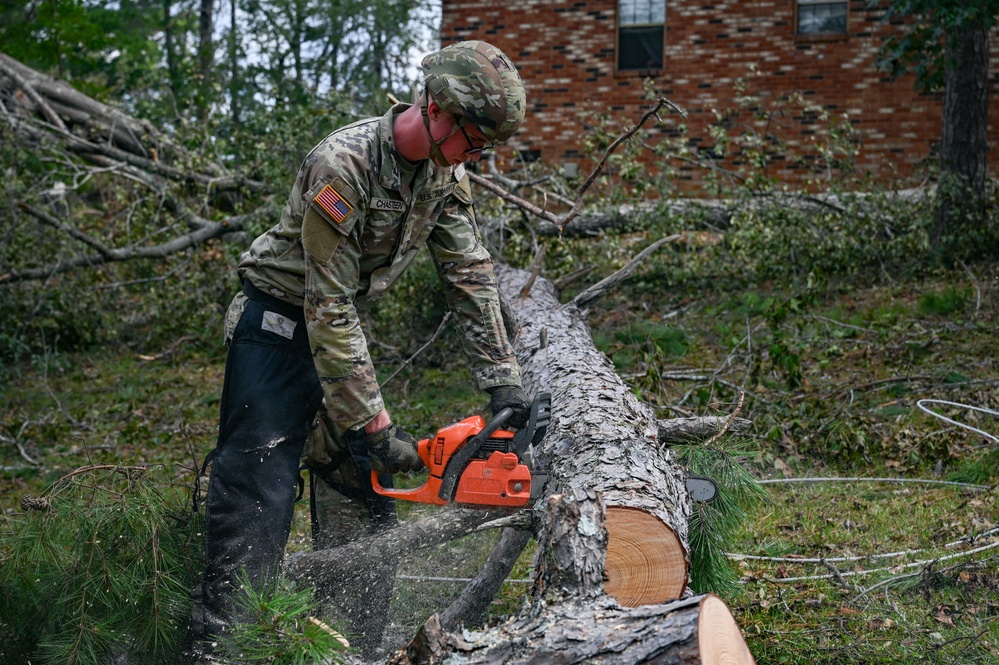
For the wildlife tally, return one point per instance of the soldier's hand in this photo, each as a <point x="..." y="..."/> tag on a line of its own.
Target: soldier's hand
<point x="393" y="449"/>
<point x="514" y="397"/>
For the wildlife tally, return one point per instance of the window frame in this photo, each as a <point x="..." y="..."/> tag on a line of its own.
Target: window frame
<point x="619" y="27"/>
<point x="821" y="36"/>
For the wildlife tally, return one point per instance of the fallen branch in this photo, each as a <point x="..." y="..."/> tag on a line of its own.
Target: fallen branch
<point x="207" y="230"/>
<point x="604" y="286"/>
<point x="697" y="429"/>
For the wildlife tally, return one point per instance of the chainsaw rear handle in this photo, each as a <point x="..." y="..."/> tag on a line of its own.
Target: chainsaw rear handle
<point x="537" y="424"/>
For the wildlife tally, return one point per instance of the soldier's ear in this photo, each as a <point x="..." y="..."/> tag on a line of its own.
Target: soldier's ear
<point x="433" y="110"/>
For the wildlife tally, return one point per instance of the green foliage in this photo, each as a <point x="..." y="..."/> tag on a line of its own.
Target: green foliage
<point x="625" y="174"/>
<point x="977" y="470"/>
<point x="714" y="526"/>
<point x="785" y="345"/>
<point x="270" y="143"/>
<point x="147" y="302"/>
<point x="749" y="145"/>
<point x="642" y="343"/>
<point x="950" y="301"/>
<point x="791" y="239"/>
<point x="965" y="224"/>
<point x="406" y="320"/>
<point x="928" y="26"/>
<point x="99" y="47"/>
<point x="102" y="563"/>
<point x="279" y="628"/>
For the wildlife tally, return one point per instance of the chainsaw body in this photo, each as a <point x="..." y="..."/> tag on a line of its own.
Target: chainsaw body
<point x="475" y="463"/>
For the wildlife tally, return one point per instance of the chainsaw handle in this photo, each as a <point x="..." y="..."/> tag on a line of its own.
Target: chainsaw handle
<point x="426" y="493"/>
<point x="498" y="421"/>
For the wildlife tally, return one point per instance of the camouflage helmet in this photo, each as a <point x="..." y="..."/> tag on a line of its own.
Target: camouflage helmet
<point x="476" y="80"/>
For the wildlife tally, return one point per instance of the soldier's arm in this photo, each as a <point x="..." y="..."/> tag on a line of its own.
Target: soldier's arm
<point x="466" y="270"/>
<point x="331" y="227"/>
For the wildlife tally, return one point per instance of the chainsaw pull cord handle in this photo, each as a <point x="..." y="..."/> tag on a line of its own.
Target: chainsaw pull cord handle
<point x="449" y="480"/>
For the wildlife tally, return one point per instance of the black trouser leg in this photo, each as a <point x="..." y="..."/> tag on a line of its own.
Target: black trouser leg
<point x="269" y="399"/>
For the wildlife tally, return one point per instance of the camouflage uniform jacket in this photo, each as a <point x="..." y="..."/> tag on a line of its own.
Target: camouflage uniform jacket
<point x="351" y="226"/>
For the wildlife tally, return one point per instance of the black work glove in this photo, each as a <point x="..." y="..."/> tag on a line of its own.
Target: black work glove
<point x="514" y="397"/>
<point x="393" y="449"/>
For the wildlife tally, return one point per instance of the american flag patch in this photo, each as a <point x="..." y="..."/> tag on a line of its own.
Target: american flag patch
<point x="333" y="203"/>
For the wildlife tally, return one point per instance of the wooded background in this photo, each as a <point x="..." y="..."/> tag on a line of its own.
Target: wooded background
<point x="142" y="151"/>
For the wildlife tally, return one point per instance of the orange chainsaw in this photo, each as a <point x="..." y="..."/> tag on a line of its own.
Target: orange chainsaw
<point x="475" y="463"/>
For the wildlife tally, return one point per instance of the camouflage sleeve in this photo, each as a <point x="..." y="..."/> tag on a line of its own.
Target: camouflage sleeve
<point x="330" y="231"/>
<point x="466" y="270"/>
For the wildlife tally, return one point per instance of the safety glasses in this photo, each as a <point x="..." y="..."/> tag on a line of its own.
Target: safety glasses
<point x="472" y="148"/>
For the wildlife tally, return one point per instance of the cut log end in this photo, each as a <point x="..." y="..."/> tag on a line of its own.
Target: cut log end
<point x="718" y="636"/>
<point x="646" y="563"/>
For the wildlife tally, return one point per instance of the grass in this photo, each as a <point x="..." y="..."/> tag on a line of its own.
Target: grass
<point x="865" y="353"/>
<point x="871" y="597"/>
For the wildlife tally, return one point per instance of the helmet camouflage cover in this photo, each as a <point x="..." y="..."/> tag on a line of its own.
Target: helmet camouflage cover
<point x="476" y="80"/>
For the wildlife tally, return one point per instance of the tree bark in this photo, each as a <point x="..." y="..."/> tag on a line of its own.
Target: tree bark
<point x="695" y="631"/>
<point x="576" y="623"/>
<point x="964" y="144"/>
<point x="603" y="439"/>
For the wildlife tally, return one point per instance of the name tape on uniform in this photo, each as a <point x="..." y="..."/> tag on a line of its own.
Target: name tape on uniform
<point x="387" y="204"/>
<point x="439" y="193"/>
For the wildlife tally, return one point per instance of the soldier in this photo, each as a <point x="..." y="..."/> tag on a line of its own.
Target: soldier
<point x="364" y="202"/>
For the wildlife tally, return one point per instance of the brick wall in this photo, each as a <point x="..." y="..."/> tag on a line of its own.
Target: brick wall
<point x="565" y="51"/>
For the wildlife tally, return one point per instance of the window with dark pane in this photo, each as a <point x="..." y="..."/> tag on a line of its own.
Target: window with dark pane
<point x="641" y="31"/>
<point x="821" y="18"/>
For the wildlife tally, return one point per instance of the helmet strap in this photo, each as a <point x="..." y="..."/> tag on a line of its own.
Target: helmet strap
<point x="435" y="146"/>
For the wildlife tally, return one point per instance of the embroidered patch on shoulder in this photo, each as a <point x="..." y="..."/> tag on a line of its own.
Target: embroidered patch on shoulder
<point x="334" y="204"/>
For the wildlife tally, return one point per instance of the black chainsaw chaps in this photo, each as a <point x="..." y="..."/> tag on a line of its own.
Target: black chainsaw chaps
<point x="270" y="396"/>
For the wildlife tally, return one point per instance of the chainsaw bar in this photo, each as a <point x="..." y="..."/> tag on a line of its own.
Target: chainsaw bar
<point x="700" y="488"/>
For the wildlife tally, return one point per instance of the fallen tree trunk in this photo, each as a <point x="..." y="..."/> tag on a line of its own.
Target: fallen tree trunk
<point x="612" y="523"/>
<point x="603" y="439"/>
<point x="697" y="630"/>
<point x="575" y="622"/>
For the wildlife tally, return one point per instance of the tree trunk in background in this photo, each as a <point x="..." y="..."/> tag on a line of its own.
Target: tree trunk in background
<point x="169" y="49"/>
<point x="964" y="146"/>
<point x="206" y="57"/>
<point x="234" y="84"/>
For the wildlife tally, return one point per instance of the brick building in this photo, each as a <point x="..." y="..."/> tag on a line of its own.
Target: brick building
<point x="580" y="58"/>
